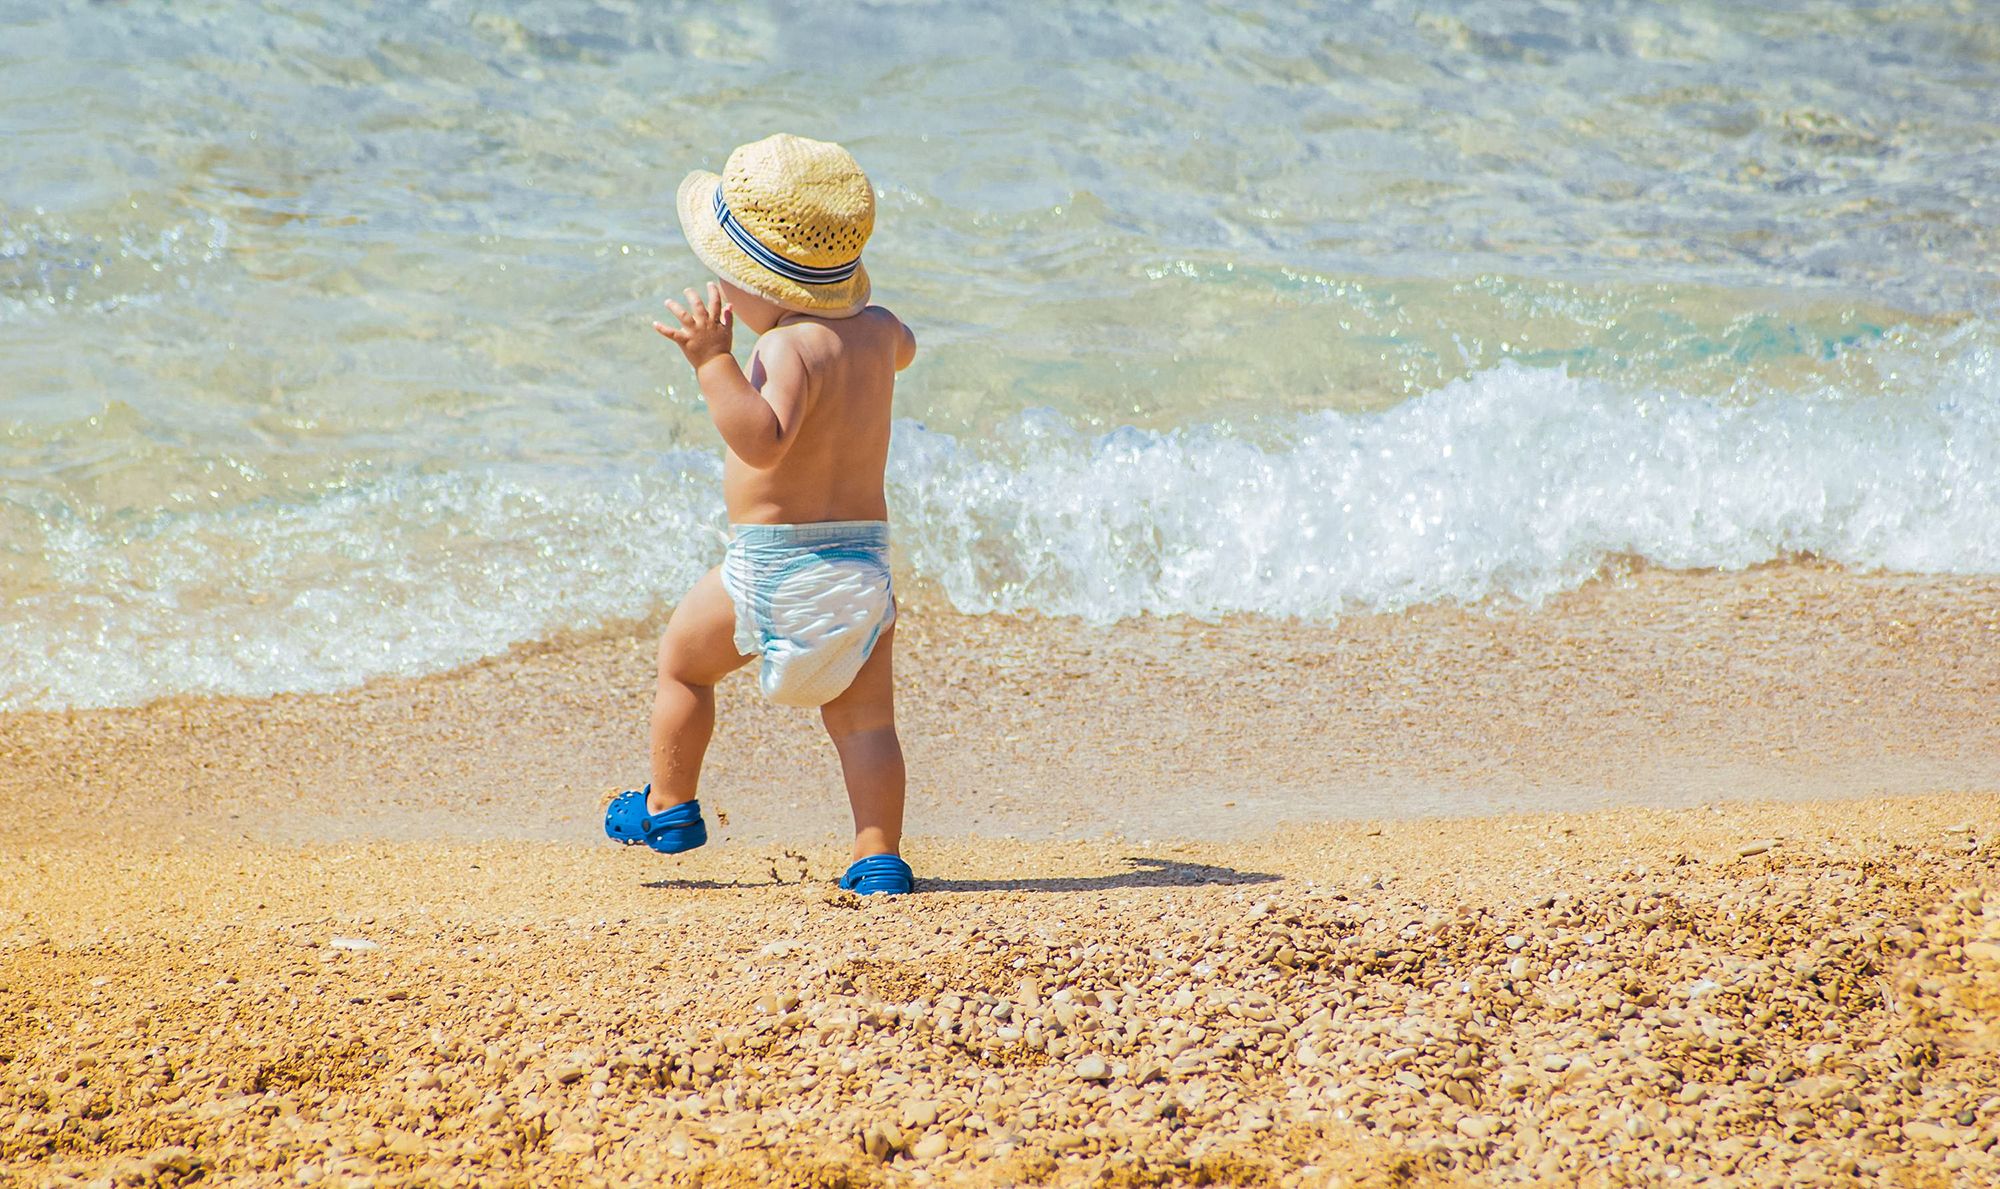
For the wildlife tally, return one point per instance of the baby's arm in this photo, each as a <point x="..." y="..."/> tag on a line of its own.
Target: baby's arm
<point x="758" y="426"/>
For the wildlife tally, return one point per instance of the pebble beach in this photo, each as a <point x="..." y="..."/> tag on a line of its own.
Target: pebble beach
<point x="1745" y="995"/>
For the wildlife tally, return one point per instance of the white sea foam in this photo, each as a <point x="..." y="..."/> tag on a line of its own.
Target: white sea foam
<point x="401" y="576"/>
<point x="1514" y="483"/>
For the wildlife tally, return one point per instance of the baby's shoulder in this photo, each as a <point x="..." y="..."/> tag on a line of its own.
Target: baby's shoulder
<point x="893" y="333"/>
<point x="871" y="329"/>
<point x="808" y="343"/>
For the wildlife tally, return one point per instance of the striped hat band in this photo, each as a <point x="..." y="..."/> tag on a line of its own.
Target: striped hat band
<point x="788" y="269"/>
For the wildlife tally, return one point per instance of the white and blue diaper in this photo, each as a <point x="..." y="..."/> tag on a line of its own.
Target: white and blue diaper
<point x="812" y="599"/>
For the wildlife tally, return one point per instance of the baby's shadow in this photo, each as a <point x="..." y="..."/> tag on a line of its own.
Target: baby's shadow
<point x="714" y="885"/>
<point x="1146" y="873"/>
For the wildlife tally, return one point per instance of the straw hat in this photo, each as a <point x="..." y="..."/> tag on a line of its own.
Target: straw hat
<point x="786" y="220"/>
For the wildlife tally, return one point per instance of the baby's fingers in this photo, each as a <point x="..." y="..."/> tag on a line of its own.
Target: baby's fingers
<point x="674" y="307"/>
<point x="674" y="334"/>
<point x="697" y="308"/>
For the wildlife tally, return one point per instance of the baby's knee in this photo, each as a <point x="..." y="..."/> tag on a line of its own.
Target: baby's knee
<point x="677" y="663"/>
<point x="849" y="722"/>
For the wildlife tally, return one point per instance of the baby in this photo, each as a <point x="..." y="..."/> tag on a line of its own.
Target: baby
<point x="805" y="579"/>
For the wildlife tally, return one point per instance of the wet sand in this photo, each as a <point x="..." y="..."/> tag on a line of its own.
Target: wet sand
<point x="1731" y="913"/>
<point x="1665" y="689"/>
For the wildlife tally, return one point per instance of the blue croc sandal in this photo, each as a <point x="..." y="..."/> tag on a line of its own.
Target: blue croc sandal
<point x="670" y="832"/>
<point x="878" y="873"/>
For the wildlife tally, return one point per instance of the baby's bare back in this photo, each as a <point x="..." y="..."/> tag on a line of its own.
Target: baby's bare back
<point x="833" y="468"/>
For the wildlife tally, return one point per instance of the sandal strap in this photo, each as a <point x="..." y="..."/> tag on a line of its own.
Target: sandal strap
<point x="685" y="814"/>
<point x="884" y="868"/>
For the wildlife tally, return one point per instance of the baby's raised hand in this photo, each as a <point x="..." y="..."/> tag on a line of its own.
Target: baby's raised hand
<point x="705" y="326"/>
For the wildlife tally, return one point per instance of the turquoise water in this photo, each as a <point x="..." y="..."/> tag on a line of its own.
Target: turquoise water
<point x="324" y="347"/>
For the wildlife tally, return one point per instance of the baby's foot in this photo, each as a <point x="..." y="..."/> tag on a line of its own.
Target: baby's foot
<point x="674" y="829"/>
<point x="878" y="873"/>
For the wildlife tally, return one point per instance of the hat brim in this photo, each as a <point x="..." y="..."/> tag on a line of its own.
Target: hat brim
<point x="695" y="203"/>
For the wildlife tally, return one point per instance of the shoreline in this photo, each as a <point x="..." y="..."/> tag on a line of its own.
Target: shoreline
<point x="1796" y="681"/>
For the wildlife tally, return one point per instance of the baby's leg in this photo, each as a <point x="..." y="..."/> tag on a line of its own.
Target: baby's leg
<point x="862" y="724"/>
<point x="698" y="650"/>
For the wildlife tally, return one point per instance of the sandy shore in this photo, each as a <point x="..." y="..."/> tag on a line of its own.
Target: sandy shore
<point x="1667" y="689"/>
<point x="1762" y="994"/>
<point x="371" y="938"/>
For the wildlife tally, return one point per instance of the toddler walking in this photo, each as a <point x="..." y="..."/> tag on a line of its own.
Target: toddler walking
<point x="804" y="582"/>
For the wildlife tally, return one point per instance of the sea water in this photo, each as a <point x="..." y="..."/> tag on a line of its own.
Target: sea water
<point x="324" y="346"/>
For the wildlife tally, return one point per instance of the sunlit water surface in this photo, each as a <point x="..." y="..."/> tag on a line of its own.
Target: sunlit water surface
<point x="324" y="347"/>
